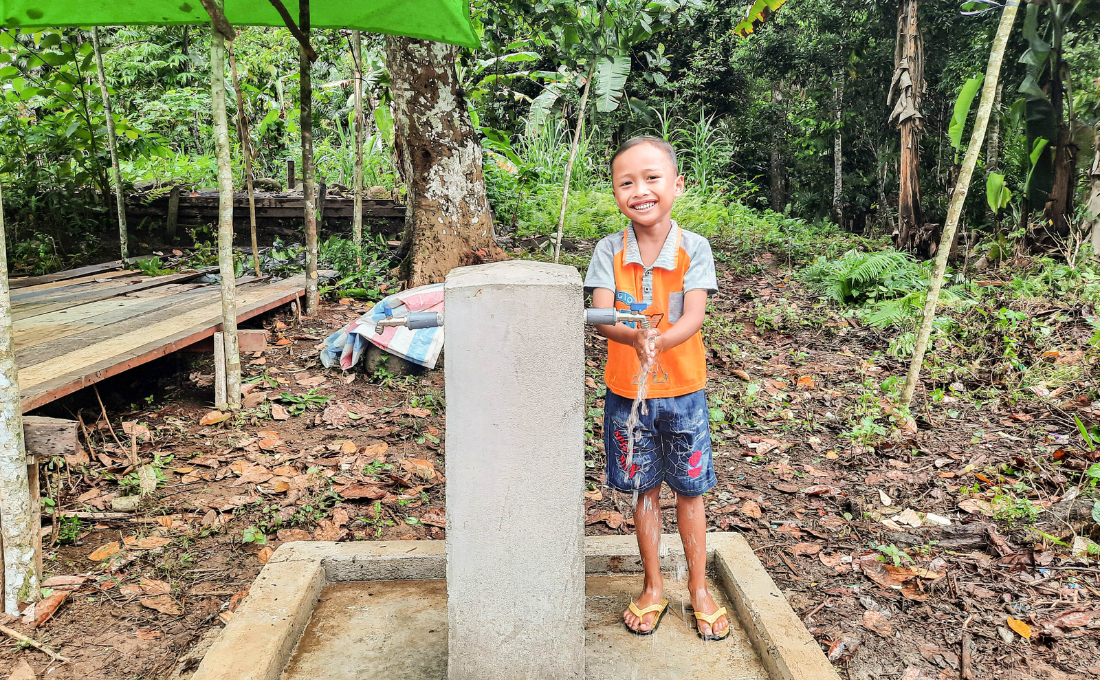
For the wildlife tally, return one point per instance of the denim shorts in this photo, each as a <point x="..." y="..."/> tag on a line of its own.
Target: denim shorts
<point x="672" y="444"/>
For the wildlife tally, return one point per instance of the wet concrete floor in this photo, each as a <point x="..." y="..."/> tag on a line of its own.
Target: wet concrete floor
<point x="397" y="630"/>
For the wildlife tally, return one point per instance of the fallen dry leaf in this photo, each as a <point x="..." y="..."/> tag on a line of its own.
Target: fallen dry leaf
<point x="1075" y="619"/>
<point x="64" y="581"/>
<point x="425" y="469"/>
<point x="290" y="535"/>
<point x="418" y="412"/>
<point x="612" y="518"/>
<point x="253" y="474"/>
<point x="877" y="623"/>
<point x="136" y="430"/>
<point x="371" y="491"/>
<point x="976" y="507"/>
<point x="911" y="591"/>
<point x="151" y="586"/>
<point x="105" y="551"/>
<point x="877" y="572"/>
<point x="738" y="373"/>
<point x="163" y="604"/>
<point x="148" y="634"/>
<point x="348" y="448"/>
<point x="280" y="486"/>
<point x="434" y="517"/>
<point x="593" y="495"/>
<point x="147" y="543"/>
<point x="328" y="531"/>
<point x="821" y="490"/>
<point x="254" y="399"/>
<point x="751" y="509"/>
<point x="808" y="549"/>
<point x="279" y="413"/>
<point x="214" y="417"/>
<point x="806" y="382"/>
<point x="315" y="381"/>
<point x="264" y="555"/>
<point x="375" y="450"/>
<point x="1019" y="626"/>
<point x="46" y="608"/>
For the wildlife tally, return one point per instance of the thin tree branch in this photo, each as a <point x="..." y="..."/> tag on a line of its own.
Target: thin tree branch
<point x="217" y="16"/>
<point x="302" y="38"/>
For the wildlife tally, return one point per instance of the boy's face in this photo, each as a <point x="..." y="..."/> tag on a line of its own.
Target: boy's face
<point x="646" y="185"/>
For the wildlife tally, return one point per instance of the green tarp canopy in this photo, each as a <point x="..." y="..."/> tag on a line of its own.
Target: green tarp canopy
<point x="441" y="20"/>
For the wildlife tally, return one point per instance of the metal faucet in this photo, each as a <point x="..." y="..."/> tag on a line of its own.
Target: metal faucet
<point x="412" y="320"/>
<point x="609" y="316"/>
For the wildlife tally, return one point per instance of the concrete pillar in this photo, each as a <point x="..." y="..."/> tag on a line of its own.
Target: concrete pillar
<point x="514" y="361"/>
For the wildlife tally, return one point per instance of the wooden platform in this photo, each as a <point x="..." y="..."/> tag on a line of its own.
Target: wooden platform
<point x="76" y="328"/>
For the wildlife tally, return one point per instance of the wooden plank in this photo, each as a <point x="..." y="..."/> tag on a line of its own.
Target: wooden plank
<point x="36" y="514"/>
<point x="94" y="278"/>
<point x="55" y="326"/>
<point x="47" y="382"/>
<point x="98" y="293"/>
<point x="173" y="213"/>
<point x="61" y="276"/>
<point x="46" y="438"/>
<point x="121" y="316"/>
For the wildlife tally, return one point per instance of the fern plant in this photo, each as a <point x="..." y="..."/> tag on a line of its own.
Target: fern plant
<point x="858" y="277"/>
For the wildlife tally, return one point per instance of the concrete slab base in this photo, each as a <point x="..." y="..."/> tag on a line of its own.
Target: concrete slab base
<point x="378" y="610"/>
<point x="397" y="630"/>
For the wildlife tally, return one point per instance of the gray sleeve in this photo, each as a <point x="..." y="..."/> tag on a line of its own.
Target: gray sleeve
<point x="601" y="269"/>
<point x="700" y="273"/>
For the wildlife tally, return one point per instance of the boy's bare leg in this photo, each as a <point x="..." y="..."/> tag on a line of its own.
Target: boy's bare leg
<point x="647" y="524"/>
<point x="692" y="521"/>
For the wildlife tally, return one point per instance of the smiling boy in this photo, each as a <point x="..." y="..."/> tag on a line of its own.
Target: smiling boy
<point x="671" y="271"/>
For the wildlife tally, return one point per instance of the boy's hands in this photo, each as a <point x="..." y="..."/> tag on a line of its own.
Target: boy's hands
<point x="648" y="344"/>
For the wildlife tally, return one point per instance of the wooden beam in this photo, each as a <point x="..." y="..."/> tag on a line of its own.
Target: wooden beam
<point x="221" y="400"/>
<point x="301" y="37"/>
<point x="251" y="340"/>
<point x="47" y="438"/>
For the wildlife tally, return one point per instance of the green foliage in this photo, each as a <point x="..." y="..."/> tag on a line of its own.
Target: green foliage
<point x="859" y="277"/>
<point x="962" y="110"/>
<point x="996" y="193"/>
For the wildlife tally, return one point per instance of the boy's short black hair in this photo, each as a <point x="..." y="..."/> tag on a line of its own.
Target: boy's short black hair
<point x="647" y="139"/>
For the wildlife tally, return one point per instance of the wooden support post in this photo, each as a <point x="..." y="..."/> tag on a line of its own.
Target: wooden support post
<point x="357" y="209"/>
<point x="16" y="511"/>
<point x="322" y="193"/>
<point x="225" y="210"/>
<point x="220" y="399"/>
<point x="112" y="142"/>
<point x="246" y="149"/>
<point x="290" y="178"/>
<point x="173" y="213"/>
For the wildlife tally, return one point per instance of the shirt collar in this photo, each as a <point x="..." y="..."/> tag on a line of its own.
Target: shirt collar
<point x="665" y="260"/>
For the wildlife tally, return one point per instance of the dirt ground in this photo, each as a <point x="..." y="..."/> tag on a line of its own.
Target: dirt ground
<point x="841" y="523"/>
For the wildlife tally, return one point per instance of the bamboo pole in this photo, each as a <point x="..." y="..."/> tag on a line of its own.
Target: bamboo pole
<point x="572" y="157"/>
<point x="357" y="209"/>
<point x="16" y="528"/>
<point x="225" y="212"/>
<point x="308" y="175"/>
<point x="958" y="196"/>
<point x="246" y="150"/>
<point x="112" y="142"/>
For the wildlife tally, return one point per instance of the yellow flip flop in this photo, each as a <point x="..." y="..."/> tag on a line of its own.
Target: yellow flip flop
<point x="640" y="613"/>
<point x="710" y="619"/>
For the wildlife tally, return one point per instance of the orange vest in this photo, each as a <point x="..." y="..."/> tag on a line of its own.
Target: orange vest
<point x="678" y="371"/>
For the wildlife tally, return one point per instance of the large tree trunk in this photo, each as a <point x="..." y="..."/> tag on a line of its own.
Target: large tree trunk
<point x="777" y="176"/>
<point x="1092" y="203"/>
<point x="112" y="142"/>
<point x="906" y="89"/>
<point x="448" y="223"/>
<point x="1059" y="209"/>
<point x="225" y="217"/>
<point x="16" y="513"/>
<point x="838" y="150"/>
<point x="309" y="184"/>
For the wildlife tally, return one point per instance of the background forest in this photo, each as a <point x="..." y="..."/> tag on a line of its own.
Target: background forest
<point x="794" y="118"/>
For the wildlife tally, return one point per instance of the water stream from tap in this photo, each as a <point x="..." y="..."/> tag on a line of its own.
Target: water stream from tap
<point x="637" y="409"/>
